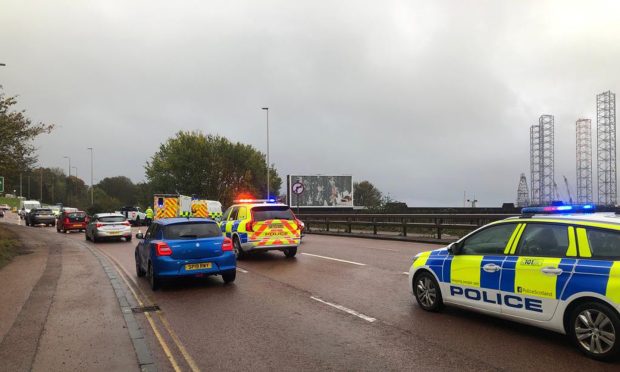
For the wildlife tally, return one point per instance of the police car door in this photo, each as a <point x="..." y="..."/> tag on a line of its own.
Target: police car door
<point x="228" y="223"/>
<point x="533" y="281"/>
<point x="474" y="272"/>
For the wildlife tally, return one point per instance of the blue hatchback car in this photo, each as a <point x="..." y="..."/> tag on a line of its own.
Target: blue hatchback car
<point x="184" y="247"/>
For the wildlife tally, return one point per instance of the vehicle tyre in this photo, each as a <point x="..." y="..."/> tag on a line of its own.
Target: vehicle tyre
<point x="57" y="229"/>
<point x="128" y="238"/>
<point x="290" y="252"/>
<point x="239" y="253"/>
<point x="594" y="327"/>
<point x="229" y="276"/>
<point x="139" y="271"/>
<point x="153" y="280"/>
<point x="427" y="292"/>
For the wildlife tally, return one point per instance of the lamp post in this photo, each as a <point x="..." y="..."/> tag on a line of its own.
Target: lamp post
<point x="267" y="111"/>
<point x="67" y="157"/>
<point x="92" y="198"/>
<point x="75" y="171"/>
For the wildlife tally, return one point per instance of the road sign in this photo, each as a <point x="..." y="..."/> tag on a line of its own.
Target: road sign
<point x="298" y="188"/>
<point x="1" y="184"/>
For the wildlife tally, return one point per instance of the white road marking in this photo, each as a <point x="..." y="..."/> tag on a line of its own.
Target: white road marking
<point x="334" y="259"/>
<point x="243" y="271"/>
<point x="406" y="273"/>
<point x="346" y="310"/>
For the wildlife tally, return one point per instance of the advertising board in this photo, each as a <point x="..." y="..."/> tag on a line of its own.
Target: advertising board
<point x="318" y="191"/>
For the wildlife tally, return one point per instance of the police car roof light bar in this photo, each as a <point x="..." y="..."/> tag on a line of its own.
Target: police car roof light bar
<point x="587" y="208"/>
<point x="245" y="201"/>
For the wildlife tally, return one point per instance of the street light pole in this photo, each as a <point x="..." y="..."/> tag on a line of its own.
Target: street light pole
<point x="75" y="171"/>
<point x="92" y="199"/>
<point x="67" y="157"/>
<point x="268" y="165"/>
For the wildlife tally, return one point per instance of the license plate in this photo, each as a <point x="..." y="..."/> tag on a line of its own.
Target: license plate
<point x="198" y="266"/>
<point x="114" y="232"/>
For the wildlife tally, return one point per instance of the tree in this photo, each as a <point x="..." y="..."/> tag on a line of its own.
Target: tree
<point x="16" y="135"/>
<point x="365" y="194"/>
<point x="209" y="166"/>
<point x="120" y="188"/>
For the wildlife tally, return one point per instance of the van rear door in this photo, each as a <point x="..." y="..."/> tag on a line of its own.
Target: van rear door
<point x="274" y="225"/>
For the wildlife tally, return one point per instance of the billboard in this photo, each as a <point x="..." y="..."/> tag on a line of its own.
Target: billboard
<point x="320" y="191"/>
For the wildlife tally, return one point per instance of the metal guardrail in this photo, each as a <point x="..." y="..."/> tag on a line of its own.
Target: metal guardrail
<point x="403" y="224"/>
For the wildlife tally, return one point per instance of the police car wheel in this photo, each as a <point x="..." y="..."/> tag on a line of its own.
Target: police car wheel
<point x="594" y="329"/>
<point x="427" y="291"/>
<point x="290" y="252"/>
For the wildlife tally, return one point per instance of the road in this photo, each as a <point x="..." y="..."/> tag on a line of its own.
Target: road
<point x="341" y="304"/>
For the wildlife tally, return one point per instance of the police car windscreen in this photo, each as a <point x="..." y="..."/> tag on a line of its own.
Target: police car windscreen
<point x="192" y="231"/>
<point x="272" y="213"/>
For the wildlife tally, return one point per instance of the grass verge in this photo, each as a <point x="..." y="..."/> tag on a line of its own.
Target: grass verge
<point x="9" y="246"/>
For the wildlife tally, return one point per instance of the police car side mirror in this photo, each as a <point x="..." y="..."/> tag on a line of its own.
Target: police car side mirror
<point x="454" y="248"/>
<point x="139" y="235"/>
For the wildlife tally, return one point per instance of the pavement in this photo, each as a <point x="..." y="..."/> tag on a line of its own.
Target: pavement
<point x="58" y="310"/>
<point x="341" y="304"/>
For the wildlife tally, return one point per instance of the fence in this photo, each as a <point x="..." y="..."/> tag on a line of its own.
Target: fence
<point x="438" y="226"/>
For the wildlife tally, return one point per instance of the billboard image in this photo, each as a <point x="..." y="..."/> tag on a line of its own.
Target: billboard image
<point x="321" y="191"/>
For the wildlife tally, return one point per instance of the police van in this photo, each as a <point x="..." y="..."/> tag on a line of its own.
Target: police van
<point x="556" y="268"/>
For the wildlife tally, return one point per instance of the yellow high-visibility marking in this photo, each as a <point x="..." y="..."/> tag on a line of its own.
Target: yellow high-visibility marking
<point x="572" y="245"/>
<point x="421" y="260"/>
<point x="512" y="239"/>
<point x="465" y="270"/>
<point x="613" y="284"/>
<point x="515" y="243"/>
<point x="584" y="245"/>
<point x="530" y="280"/>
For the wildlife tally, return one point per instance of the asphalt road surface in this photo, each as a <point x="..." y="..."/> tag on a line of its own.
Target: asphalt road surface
<point x="341" y="304"/>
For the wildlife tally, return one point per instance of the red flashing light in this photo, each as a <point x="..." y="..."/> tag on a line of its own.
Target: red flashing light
<point x="227" y="245"/>
<point x="163" y="249"/>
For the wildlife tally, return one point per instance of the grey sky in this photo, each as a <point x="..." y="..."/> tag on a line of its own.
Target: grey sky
<point x="425" y="99"/>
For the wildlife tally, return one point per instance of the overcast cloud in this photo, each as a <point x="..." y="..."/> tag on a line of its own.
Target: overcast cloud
<point x="425" y="99"/>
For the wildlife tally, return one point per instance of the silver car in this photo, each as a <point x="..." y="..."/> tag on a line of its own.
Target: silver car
<point x="110" y="226"/>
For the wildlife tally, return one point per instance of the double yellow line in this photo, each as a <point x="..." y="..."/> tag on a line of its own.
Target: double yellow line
<point x="162" y="342"/>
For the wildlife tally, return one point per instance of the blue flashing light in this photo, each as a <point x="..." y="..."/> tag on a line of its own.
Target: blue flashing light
<point x="587" y="208"/>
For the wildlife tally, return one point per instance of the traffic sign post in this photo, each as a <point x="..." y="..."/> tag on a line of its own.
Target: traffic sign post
<point x="298" y="189"/>
<point x="1" y="184"/>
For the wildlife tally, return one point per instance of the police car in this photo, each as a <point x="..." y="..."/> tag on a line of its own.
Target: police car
<point x="556" y="268"/>
<point x="261" y="225"/>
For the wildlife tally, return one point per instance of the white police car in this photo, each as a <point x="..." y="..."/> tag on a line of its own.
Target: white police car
<point x="553" y="267"/>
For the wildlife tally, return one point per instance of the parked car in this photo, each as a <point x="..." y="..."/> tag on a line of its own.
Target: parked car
<point x="5" y="207"/>
<point x="182" y="247"/>
<point x="71" y="221"/>
<point x="108" y="226"/>
<point x="38" y="216"/>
